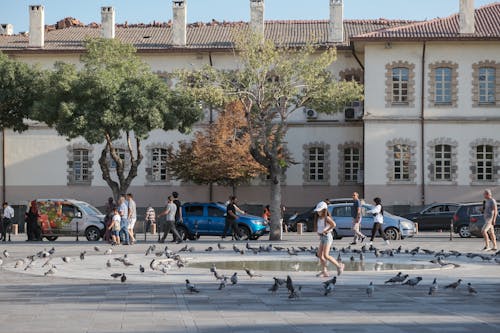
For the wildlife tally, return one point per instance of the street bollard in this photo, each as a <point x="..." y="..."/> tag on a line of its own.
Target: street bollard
<point x="144" y="229"/>
<point x="451" y="229"/>
<point x="77" y="231"/>
<point x="299" y="228"/>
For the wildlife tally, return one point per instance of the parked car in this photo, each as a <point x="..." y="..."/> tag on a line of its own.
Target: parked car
<point x="461" y="218"/>
<point x="476" y="222"/>
<point x="436" y="216"/>
<point x="200" y="219"/>
<point x="69" y="217"/>
<point x="395" y="227"/>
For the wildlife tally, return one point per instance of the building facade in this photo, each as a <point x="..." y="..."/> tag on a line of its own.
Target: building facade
<point x="428" y="129"/>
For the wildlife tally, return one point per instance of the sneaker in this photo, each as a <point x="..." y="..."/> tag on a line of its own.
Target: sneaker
<point x="387" y="242"/>
<point x="485" y="249"/>
<point x="493" y="249"/>
<point x="363" y="239"/>
<point x="340" y="269"/>
<point x="353" y="243"/>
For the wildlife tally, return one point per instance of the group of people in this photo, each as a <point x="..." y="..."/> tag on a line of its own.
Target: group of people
<point x="120" y="220"/>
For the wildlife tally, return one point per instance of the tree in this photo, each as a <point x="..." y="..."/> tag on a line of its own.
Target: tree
<point x="219" y="154"/>
<point x="115" y="95"/>
<point x="19" y="88"/>
<point x="272" y="82"/>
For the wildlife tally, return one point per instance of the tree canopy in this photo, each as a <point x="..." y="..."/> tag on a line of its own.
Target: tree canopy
<point x="115" y="96"/>
<point x="271" y="82"/>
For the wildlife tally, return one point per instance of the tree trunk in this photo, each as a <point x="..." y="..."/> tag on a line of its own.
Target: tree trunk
<point x="275" y="204"/>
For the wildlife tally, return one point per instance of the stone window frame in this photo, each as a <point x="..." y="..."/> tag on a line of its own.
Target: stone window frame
<point x="496" y="161"/>
<point x="454" y="84"/>
<point x="326" y="166"/>
<point x="475" y="83"/>
<point x="341" y="165"/>
<point x="412" y="163"/>
<point x="431" y="158"/>
<point x="389" y="101"/>
<point x="70" y="161"/>
<point x="149" y="166"/>
<point x="353" y="72"/>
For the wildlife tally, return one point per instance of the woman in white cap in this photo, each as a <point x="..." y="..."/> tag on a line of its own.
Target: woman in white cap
<point x="325" y="226"/>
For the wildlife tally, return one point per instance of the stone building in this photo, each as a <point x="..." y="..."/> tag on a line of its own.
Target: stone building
<point x="427" y="130"/>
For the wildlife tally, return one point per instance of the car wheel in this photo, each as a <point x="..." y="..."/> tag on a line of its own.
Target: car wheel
<point x="245" y="233"/>
<point x="51" y="238"/>
<point x="464" y="231"/>
<point x="183" y="233"/>
<point x="93" y="234"/>
<point x="392" y="233"/>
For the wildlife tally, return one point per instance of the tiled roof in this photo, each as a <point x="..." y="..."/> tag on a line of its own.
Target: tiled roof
<point x="487" y="27"/>
<point x="203" y="36"/>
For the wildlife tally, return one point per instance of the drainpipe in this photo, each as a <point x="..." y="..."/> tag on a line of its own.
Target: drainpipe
<point x="422" y="126"/>
<point x="353" y="51"/>
<point x="210" y="121"/>
<point x="4" y="196"/>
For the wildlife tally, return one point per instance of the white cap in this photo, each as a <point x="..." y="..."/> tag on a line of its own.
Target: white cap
<point x="320" y="206"/>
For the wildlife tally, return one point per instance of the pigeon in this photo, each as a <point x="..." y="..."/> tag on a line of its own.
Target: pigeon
<point x="370" y="289"/>
<point x="292" y="291"/>
<point x="51" y="271"/>
<point x="66" y="259"/>
<point x="395" y="278"/>
<point x="471" y="289"/>
<point x="279" y="281"/>
<point x="179" y="264"/>
<point x="453" y="285"/>
<point x="361" y="257"/>
<point x="413" y="282"/>
<point x="328" y="289"/>
<point x="209" y="249"/>
<point x="279" y="248"/>
<point x="222" y="284"/>
<point x="108" y="251"/>
<point x="295" y="266"/>
<point x="213" y="268"/>
<point x="6" y="253"/>
<point x="339" y="258"/>
<point x="292" y="252"/>
<point x="126" y="262"/>
<point x="123" y="278"/>
<point x="184" y="249"/>
<point x="234" y="278"/>
<point x="141" y="269"/>
<point x="19" y="263"/>
<point x="154" y="264"/>
<point x="274" y="288"/>
<point x="116" y="275"/>
<point x="190" y="287"/>
<point x="52" y="250"/>
<point x="220" y="247"/>
<point x="96" y="249"/>
<point x="433" y="288"/>
<point x="108" y="263"/>
<point x="251" y="273"/>
<point x="236" y="249"/>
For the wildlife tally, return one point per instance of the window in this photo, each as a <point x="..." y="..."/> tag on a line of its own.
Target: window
<point x="400" y="79"/>
<point x="81" y="165"/>
<point x="352" y="158"/>
<point x="442" y="162"/>
<point x="487" y="85"/>
<point x="484" y="163"/>
<point x="401" y="154"/>
<point x="344" y="211"/>
<point x="316" y="164"/>
<point x="159" y="164"/>
<point x="215" y="212"/>
<point x="122" y="153"/>
<point x="442" y="85"/>
<point x="194" y="210"/>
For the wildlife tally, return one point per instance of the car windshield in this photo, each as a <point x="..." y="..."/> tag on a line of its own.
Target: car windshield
<point x="89" y="209"/>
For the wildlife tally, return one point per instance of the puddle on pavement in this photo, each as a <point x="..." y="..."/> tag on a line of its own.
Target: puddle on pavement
<point x="306" y="266"/>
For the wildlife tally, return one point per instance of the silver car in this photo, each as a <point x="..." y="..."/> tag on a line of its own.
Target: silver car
<point x="395" y="227"/>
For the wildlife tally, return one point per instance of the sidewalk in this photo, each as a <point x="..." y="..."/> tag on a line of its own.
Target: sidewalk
<point x="82" y="297"/>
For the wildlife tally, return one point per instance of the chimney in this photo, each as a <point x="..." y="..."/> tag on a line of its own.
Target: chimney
<point x="336" y="24"/>
<point x="6" y="29"/>
<point x="179" y="22"/>
<point x="257" y="16"/>
<point x="37" y="26"/>
<point x="107" y="22"/>
<point x="466" y="17"/>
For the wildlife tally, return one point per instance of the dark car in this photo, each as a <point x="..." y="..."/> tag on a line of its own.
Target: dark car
<point x="208" y="219"/>
<point x="476" y="223"/>
<point x="306" y="218"/>
<point x="436" y="216"/>
<point x="461" y="218"/>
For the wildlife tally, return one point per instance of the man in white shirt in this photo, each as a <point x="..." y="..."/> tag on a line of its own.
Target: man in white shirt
<point x="170" y="213"/>
<point x="132" y="216"/>
<point x="8" y="215"/>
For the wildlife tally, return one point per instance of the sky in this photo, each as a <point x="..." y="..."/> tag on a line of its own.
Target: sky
<point x="146" y="11"/>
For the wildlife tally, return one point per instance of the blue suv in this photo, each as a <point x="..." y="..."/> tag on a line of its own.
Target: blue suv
<point x="208" y="219"/>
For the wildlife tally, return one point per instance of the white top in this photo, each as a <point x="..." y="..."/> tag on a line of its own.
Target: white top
<point x="378" y="217"/>
<point x="171" y="209"/>
<point x="116" y="222"/>
<point x="132" y="208"/>
<point x="8" y="212"/>
<point x="322" y="225"/>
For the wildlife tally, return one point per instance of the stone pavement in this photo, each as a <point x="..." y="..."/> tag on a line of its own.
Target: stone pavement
<point x="82" y="297"/>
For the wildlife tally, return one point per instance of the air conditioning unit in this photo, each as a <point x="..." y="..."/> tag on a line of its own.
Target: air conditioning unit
<point x="353" y="112"/>
<point x="311" y="114"/>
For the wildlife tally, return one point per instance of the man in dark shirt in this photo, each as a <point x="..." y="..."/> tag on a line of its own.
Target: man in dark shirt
<point x="178" y="212"/>
<point x="231" y="220"/>
<point x="356" y="219"/>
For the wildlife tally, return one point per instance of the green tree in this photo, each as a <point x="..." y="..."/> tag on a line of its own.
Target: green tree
<point x="114" y="96"/>
<point x="19" y="89"/>
<point x="218" y="154"/>
<point x="272" y="82"/>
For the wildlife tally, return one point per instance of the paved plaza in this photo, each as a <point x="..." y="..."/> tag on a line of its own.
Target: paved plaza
<point x="81" y="296"/>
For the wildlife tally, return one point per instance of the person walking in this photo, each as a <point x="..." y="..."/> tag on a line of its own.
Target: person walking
<point x="231" y="217"/>
<point x="178" y="204"/>
<point x="8" y="215"/>
<point x="123" y="211"/>
<point x="110" y="205"/>
<point x="325" y="225"/>
<point x="266" y="215"/>
<point x="115" y="227"/>
<point x="378" y="220"/>
<point x="490" y="214"/>
<point x="150" y="217"/>
<point x="356" y="219"/>
<point x="31" y="218"/>
<point x="132" y="217"/>
<point x="170" y="213"/>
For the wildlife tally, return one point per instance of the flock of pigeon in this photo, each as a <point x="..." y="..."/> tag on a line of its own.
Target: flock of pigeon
<point x="164" y="260"/>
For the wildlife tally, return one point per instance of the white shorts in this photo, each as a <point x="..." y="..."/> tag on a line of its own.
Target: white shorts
<point x="131" y="222"/>
<point x="488" y="224"/>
